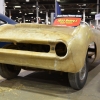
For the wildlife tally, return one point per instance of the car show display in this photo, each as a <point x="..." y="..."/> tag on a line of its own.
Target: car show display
<point x="46" y="47"/>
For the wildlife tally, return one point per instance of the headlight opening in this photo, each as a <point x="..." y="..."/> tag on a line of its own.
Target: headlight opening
<point x="61" y="49"/>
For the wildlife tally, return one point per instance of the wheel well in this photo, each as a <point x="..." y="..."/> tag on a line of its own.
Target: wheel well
<point x="91" y="52"/>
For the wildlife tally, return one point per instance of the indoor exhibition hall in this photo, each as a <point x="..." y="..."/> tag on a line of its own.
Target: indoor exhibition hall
<point x="49" y="49"/>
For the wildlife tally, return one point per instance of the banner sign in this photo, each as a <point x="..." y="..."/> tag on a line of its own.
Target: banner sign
<point x="57" y="9"/>
<point x="69" y="15"/>
<point x="67" y="21"/>
<point x="97" y="17"/>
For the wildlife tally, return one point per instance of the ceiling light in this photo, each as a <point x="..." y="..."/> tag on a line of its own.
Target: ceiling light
<point x="19" y="18"/>
<point x="61" y="0"/>
<point x="78" y="11"/>
<point x="26" y="20"/>
<point x="31" y="17"/>
<point x="30" y="13"/>
<point x="17" y="6"/>
<point x="33" y="6"/>
<point x="62" y="9"/>
<point x="42" y="19"/>
<point x="27" y="0"/>
<point x="25" y="14"/>
<point x="84" y="5"/>
<point x="20" y="12"/>
<point x="41" y="12"/>
<point x="93" y="12"/>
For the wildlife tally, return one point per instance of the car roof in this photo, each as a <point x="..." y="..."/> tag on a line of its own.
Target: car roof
<point x="7" y="19"/>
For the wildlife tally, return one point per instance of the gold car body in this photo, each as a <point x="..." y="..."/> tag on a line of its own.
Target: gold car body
<point x="77" y="41"/>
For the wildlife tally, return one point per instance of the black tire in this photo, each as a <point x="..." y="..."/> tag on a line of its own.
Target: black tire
<point x="78" y="80"/>
<point x="9" y="71"/>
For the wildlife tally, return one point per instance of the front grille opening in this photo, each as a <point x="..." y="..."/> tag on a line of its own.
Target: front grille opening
<point x="34" y="47"/>
<point x="29" y="47"/>
<point x="61" y="49"/>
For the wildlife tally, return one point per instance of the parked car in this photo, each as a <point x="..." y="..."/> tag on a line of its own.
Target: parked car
<point x="5" y="20"/>
<point x="47" y="47"/>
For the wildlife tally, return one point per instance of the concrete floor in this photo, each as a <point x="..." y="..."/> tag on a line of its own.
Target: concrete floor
<point x="43" y="86"/>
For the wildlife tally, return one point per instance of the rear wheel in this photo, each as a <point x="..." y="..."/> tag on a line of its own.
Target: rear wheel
<point x="78" y="80"/>
<point x="9" y="71"/>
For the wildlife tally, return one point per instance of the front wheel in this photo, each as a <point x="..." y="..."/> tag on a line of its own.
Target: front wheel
<point x="9" y="71"/>
<point x="78" y="80"/>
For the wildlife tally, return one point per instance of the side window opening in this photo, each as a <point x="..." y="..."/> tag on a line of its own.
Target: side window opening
<point x="2" y="22"/>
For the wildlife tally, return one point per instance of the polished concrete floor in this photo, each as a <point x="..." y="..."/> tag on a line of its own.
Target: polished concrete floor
<point x="30" y="85"/>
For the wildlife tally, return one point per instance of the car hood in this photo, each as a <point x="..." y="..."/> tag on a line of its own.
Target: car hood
<point x="31" y="33"/>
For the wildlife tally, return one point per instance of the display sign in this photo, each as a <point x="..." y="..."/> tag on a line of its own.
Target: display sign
<point x="69" y="21"/>
<point x="69" y="15"/>
<point x="97" y="17"/>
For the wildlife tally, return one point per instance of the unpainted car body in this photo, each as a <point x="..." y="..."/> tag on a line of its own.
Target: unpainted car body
<point x="35" y="46"/>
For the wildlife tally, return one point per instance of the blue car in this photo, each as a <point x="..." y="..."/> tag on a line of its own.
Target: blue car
<point x="5" y="20"/>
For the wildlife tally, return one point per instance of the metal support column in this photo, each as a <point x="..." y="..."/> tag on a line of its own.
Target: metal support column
<point x="97" y="11"/>
<point x="23" y="18"/>
<point x="52" y="18"/>
<point x="84" y="15"/>
<point x="55" y="8"/>
<point x="37" y="12"/>
<point x="46" y="18"/>
<point x="10" y="14"/>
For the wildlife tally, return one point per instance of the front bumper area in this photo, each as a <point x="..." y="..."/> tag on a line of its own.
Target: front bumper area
<point x="31" y="59"/>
